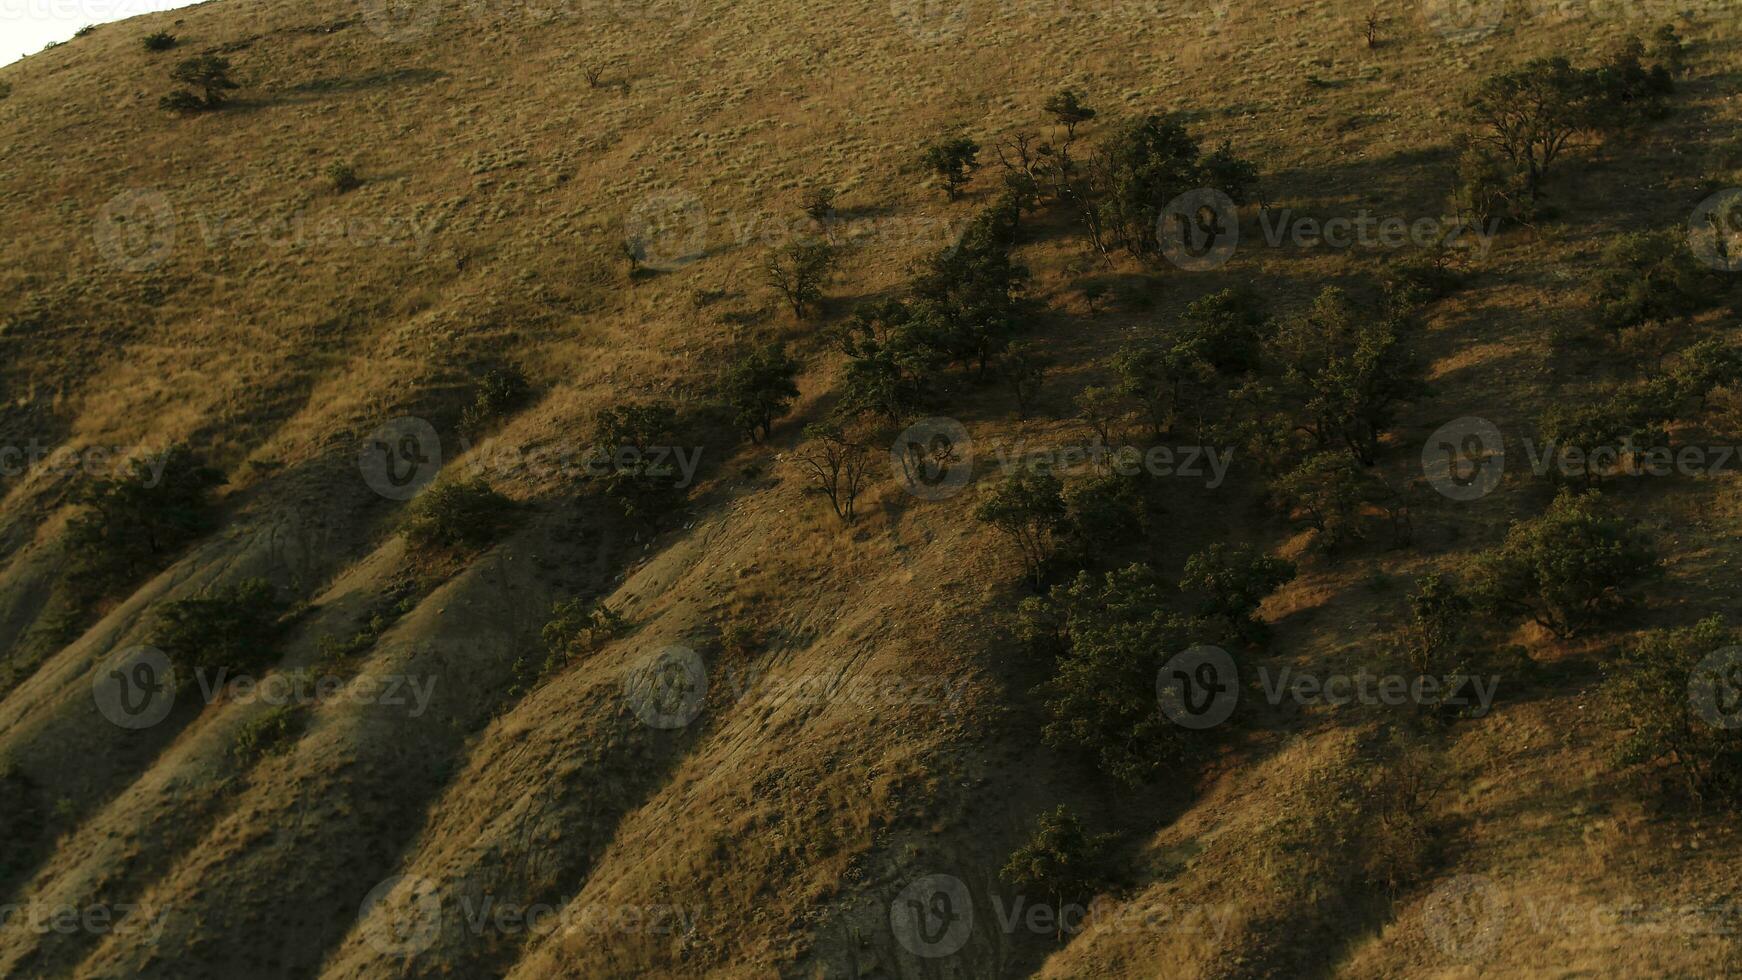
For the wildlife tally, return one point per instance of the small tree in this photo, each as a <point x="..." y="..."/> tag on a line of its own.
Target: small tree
<point x="799" y="270"/>
<point x="1563" y="569"/>
<point x="1330" y="489"/>
<point x="819" y="205"/>
<point x="759" y="387"/>
<point x="1028" y="506"/>
<point x="634" y="447"/>
<point x="1067" y="107"/>
<point x="1025" y="367"/>
<point x="1061" y="860"/>
<point x="839" y="466"/>
<point x="1233" y="581"/>
<point x="953" y="160"/>
<point x="1531" y="115"/>
<point x="1432" y="641"/>
<point x="1111" y="636"/>
<point x="210" y="75"/>
<point x="1101" y="409"/>
<point x="1666" y="714"/>
<point x="231" y="629"/>
<point x="1349" y="370"/>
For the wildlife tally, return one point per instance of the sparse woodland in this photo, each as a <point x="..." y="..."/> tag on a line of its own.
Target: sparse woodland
<point x="1264" y="504"/>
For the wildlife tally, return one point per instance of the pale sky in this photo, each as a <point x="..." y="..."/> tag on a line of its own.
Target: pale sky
<point x="27" y="26"/>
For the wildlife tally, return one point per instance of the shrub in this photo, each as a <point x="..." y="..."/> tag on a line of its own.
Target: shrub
<point x="1029" y="507"/>
<point x="1101" y="409"/>
<point x="226" y="631"/>
<point x="1112" y="635"/>
<point x="85" y="31"/>
<point x="798" y="271"/>
<point x="953" y="159"/>
<point x="459" y="516"/>
<point x="23" y="821"/>
<point x="134" y="524"/>
<point x="1652" y="276"/>
<point x="1564" y="569"/>
<point x="501" y="392"/>
<point x="343" y="177"/>
<point x="759" y="387"/>
<point x="577" y="629"/>
<point x="159" y="41"/>
<point x="1658" y="703"/>
<point x="1225" y="330"/>
<point x="1104" y="514"/>
<point x="181" y="101"/>
<point x="839" y="466"/>
<point x="1061" y="860"/>
<point x="269" y="733"/>
<point x="1233" y="581"/>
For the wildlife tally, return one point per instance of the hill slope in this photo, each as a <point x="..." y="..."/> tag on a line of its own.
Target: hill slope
<point x="197" y="280"/>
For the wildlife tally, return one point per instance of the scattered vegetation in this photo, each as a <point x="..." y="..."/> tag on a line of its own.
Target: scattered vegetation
<point x="269" y="733"/>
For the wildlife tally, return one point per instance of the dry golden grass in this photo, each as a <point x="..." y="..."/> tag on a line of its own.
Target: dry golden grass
<point x="280" y="328"/>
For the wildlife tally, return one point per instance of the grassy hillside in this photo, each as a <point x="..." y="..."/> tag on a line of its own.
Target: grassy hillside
<point x="858" y="723"/>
